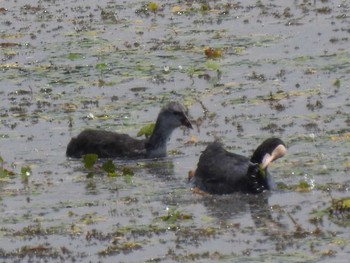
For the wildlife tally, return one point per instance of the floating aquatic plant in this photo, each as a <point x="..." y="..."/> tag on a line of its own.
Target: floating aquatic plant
<point x="74" y="56"/>
<point x="26" y="171"/>
<point x="146" y="130"/>
<point x="340" y="206"/>
<point x="89" y="160"/>
<point x="153" y="6"/>
<point x="174" y="215"/>
<point x="212" y="53"/>
<point x="303" y="186"/>
<point x="109" y="167"/>
<point x="125" y="247"/>
<point x="4" y="172"/>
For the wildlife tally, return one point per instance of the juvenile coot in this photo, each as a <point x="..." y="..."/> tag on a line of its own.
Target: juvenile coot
<point x="222" y="172"/>
<point x="110" y="144"/>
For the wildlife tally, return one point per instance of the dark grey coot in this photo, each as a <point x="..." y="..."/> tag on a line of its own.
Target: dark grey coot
<point x="108" y="144"/>
<point x="222" y="172"/>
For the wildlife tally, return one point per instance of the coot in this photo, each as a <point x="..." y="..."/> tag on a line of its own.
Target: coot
<point x="110" y="144"/>
<point x="222" y="172"/>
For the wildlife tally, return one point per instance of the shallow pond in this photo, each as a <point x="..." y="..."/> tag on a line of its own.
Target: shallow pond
<point x="281" y="69"/>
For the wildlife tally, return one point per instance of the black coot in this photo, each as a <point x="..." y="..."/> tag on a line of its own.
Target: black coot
<point x="222" y="172"/>
<point x="110" y="144"/>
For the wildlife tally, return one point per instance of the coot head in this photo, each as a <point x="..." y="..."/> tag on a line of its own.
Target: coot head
<point x="270" y="150"/>
<point x="173" y="115"/>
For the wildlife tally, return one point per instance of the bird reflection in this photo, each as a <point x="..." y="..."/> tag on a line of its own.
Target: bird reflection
<point x="225" y="207"/>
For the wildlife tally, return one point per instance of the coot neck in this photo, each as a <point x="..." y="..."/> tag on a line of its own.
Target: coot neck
<point x="258" y="178"/>
<point x="156" y="145"/>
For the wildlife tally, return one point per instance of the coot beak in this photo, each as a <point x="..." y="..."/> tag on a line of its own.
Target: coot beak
<point x="278" y="152"/>
<point x="186" y="122"/>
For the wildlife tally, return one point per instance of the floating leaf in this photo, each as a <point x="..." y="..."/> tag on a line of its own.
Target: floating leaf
<point x="192" y="140"/>
<point x="205" y="7"/>
<point x="344" y="137"/>
<point x="9" y="44"/>
<point x="239" y="50"/>
<point x="89" y="160"/>
<point x="127" y="171"/>
<point x="26" y="171"/>
<point x="3" y="172"/>
<point x="152" y="6"/>
<point x="69" y="107"/>
<point x="282" y="186"/>
<point x="213" y="53"/>
<point x="114" y="174"/>
<point x="340" y="206"/>
<point x="175" y="215"/>
<point x="75" y="56"/>
<point x="146" y="130"/>
<point x="176" y="9"/>
<point x="101" y="66"/>
<point x="303" y="186"/>
<point x="108" y="166"/>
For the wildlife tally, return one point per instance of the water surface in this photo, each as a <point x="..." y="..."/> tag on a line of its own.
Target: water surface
<point x="71" y="65"/>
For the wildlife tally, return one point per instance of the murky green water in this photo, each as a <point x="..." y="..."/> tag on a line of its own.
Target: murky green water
<point x="69" y="65"/>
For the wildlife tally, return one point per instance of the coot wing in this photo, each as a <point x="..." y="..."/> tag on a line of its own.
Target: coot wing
<point x="219" y="171"/>
<point x="106" y="144"/>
